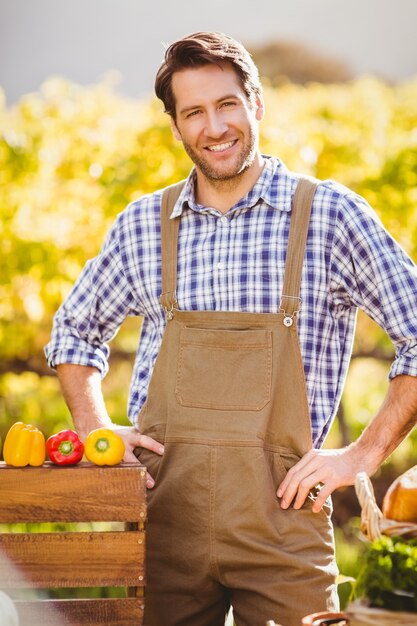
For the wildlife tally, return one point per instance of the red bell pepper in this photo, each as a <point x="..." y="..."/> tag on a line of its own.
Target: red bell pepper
<point x="65" y="448"/>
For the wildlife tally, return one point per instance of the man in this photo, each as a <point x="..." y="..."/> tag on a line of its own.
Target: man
<point x="245" y="344"/>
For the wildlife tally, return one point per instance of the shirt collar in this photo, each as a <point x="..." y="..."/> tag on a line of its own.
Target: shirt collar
<point x="274" y="186"/>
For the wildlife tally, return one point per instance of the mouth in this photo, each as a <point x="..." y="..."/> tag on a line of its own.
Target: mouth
<point x="221" y="147"/>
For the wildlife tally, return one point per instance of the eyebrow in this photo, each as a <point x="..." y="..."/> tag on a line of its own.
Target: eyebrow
<point x="197" y="106"/>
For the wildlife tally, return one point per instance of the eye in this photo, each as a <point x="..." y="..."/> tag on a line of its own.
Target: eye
<point x="193" y="113"/>
<point x="228" y="103"/>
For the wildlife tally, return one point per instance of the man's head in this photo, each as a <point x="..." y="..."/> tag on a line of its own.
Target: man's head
<point x="202" y="49"/>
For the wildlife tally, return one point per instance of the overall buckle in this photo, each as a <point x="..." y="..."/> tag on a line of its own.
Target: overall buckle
<point x="289" y="317"/>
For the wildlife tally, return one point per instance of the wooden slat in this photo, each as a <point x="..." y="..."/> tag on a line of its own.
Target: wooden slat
<point x="54" y="493"/>
<point x="100" y="612"/>
<point x="82" y="493"/>
<point x="73" y="559"/>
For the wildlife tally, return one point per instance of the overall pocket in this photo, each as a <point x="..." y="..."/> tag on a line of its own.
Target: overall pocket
<point x="151" y="460"/>
<point x="224" y="369"/>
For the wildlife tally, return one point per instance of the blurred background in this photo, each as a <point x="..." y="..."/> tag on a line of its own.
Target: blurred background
<point x="81" y="135"/>
<point x="85" y="40"/>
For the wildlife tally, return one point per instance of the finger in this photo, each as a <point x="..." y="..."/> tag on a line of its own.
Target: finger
<point x="304" y="489"/>
<point x="325" y="492"/>
<point x="300" y="484"/>
<point x="285" y="487"/>
<point x="134" y="439"/>
<point x="129" y="457"/>
<point x="286" y="495"/>
<point x="143" y="441"/>
<point x="295" y="471"/>
<point x="289" y="487"/>
<point x="294" y="490"/>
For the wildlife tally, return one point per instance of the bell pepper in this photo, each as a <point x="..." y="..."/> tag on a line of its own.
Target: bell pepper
<point x="65" y="448"/>
<point x="24" y="445"/>
<point x="104" y="447"/>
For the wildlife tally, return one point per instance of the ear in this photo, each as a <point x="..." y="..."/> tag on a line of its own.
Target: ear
<point x="259" y="107"/>
<point x="175" y="130"/>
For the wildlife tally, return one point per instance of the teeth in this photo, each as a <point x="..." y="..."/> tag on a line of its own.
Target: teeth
<point x="221" y="146"/>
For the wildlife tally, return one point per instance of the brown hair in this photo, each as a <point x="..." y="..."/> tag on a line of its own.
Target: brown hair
<point x="202" y="49"/>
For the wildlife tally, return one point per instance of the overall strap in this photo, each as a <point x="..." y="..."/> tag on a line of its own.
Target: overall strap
<point x="169" y="245"/>
<point x="300" y="219"/>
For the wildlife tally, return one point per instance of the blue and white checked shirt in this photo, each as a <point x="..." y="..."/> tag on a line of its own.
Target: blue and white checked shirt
<point x="235" y="262"/>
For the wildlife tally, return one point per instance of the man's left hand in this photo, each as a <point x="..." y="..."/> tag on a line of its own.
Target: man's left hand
<point x="329" y="469"/>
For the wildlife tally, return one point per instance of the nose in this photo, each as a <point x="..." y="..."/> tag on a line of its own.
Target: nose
<point x="216" y="126"/>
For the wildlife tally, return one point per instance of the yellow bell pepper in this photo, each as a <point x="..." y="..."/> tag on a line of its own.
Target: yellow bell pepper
<point x="24" y="445"/>
<point x="104" y="447"/>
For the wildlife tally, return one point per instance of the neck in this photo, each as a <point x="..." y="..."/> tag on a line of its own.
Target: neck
<point x="223" y="194"/>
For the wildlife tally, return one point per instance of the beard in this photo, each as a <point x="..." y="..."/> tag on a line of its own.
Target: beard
<point x="226" y="171"/>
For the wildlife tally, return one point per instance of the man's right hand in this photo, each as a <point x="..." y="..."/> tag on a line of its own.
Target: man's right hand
<point x="81" y="386"/>
<point x="133" y="439"/>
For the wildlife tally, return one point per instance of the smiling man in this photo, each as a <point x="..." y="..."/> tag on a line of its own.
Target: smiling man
<point x="248" y="278"/>
<point x="219" y="130"/>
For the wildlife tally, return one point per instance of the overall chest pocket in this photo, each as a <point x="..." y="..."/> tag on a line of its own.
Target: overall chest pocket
<point x="224" y="369"/>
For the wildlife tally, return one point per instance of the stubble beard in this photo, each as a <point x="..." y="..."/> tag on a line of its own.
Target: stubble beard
<point x="219" y="175"/>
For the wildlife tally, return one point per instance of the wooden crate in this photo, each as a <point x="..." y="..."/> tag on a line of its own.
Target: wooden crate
<point x="105" y="556"/>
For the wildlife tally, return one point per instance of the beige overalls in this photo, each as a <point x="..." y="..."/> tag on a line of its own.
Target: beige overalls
<point x="228" y="399"/>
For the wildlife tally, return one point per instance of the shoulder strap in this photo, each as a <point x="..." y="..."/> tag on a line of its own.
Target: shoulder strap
<point x="300" y="219"/>
<point x="169" y="245"/>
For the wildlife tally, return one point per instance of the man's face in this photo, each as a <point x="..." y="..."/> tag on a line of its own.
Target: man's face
<point x="215" y="121"/>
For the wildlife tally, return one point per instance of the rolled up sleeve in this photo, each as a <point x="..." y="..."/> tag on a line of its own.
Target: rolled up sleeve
<point x="372" y="271"/>
<point x="92" y="313"/>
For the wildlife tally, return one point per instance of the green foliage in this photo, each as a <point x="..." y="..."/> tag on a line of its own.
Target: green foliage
<point x="71" y="159"/>
<point x="348" y="551"/>
<point x="388" y="577"/>
<point x="361" y="134"/>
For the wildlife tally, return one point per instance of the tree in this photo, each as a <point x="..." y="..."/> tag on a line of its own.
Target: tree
<point x="285" y="61"/>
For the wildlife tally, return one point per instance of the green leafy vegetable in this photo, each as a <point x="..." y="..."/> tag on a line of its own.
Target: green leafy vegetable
<point x="388" y="577"/>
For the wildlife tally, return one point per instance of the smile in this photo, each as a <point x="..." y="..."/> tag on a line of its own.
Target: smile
<point x="221" y="147"/>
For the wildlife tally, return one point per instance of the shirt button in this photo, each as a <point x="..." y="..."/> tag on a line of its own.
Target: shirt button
<point x="221" y="266"/>
<point x="224" y="220"/>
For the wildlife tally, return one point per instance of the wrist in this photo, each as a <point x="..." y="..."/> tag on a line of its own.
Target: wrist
<point x="364" y="458"/>
<point x="84" y="425"/>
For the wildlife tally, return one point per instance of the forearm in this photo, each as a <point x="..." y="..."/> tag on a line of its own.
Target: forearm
<point x="81" y="387"/>
<point x="395" y="419"/>
<point x="338" y="468"/>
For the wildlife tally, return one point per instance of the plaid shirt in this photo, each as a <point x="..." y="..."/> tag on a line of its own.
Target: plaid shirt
<point x="235" y="262"/>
